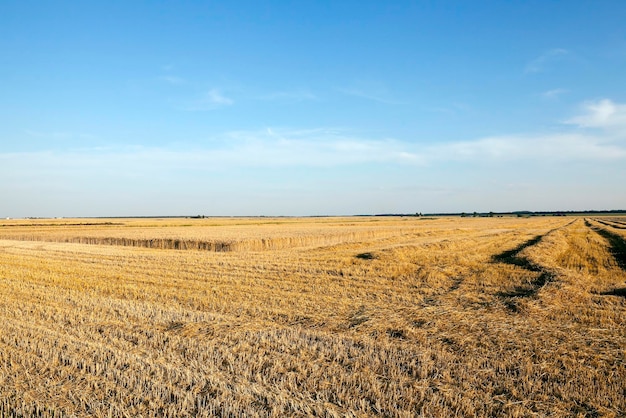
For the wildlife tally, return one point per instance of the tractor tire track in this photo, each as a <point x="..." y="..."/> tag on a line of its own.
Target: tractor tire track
<point x="512" y="257"/>
<point x="617" y="248"/>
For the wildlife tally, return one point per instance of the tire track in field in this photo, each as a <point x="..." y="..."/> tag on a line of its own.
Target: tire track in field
<point x="612" y="224"/>
<point x="457" y="282"/>
<point x="477" y="243"/>
<point x="617" y="248"/>
<point x="512" y="257"/>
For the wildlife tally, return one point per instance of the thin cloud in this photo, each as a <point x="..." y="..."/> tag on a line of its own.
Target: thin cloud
<point x="545" y="60"/>
<point x="47" y="135"/>
<point x="280" y="148"/>
<point x="214" y="96"/>
<point x="57" y="135"/>
<point x="290" y="96"/>
<point x="171" y="79"/>
<point x="452" y="109"/>
<point x="554" y="94"/>
<point x="371" y="91"/>
<point x="553" y="147"/>
<point x="213" y="99"/>
<point x="277" y="147"/>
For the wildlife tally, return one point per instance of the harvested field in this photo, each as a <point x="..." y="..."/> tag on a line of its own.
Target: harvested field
<point x="225" y="234"/>
<point x="367" y="316"/>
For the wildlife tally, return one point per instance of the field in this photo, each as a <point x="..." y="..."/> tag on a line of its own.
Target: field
<point x="364" y="316"/>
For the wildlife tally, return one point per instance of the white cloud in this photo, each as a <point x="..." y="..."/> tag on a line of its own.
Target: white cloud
<point x="550" y="147"/>
<point x="542" y="62"/>
<point x="576" y="143"/>
<point x="319" y="148"/>
<point x="603" y="113"/>
<point x="281" y="147"/>
<point x="310" y="147"/>
<point x="262" y="148"/>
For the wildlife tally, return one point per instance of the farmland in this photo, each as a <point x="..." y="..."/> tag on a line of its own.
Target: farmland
<point x="363" y="316"/>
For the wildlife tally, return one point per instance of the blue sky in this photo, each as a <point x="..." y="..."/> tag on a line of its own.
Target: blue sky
<point x="311" y="108"/>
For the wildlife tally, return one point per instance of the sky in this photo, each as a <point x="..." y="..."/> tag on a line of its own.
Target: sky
<point x="154" y="108"/>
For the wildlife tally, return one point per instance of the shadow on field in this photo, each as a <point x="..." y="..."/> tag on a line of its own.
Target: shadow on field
<point x="615" y="292"/>
<point x="513" y="258"/>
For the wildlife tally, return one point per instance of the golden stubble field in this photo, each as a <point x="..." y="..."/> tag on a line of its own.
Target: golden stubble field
<point x="334" y="317"/>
